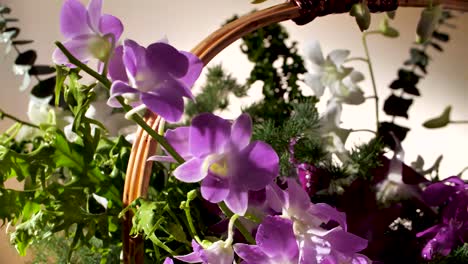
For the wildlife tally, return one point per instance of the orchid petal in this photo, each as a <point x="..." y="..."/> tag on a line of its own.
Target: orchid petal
<point x="314" y="53"/>
<point x="109" y="24"/>
<point x="315" y="83"/>
<point x="209" y="134"/>
<point x="251" y="254"/>
<point x="133" y="57"/>
<point x="327" y="213"/>
<point x="168" y="261"/>
<point x="242" y="131"/>
<point x="190" y="258"/>
<point x="78" y="47"/>
<point x="94" y="14"/>
<point x="179" y="140"/>
<point x="214" y="189"/>
<point x="338" y="57"/>
<point x="73" y="19"/>
<point x="166" y="61"/>
<point x="190" y="171"/>
<point x="194" y="70"/>
<point x="237" y="201"/>
<point x="276" y="238"/>
<point x="260" y="162"/>
<point x="116" y="68"/>
<point x="169" y="106"/>
<point x="119" y="88"/>
<point x="345" y="242"/>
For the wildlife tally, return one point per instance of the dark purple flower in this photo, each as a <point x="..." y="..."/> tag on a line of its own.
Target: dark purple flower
<point x="89" y="33"/>
<point x="219" y="252"/>
<point x="158" y="77"/>
<point x="221" y="155"/>
<point x="452" y="195"/>
<point x="276" y="243"/>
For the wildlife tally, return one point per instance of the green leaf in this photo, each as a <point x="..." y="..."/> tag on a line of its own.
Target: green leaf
<point x="387" y="30"/>
<point x="440" y="121"/>
<point x="258" y="1"/>
<point x="362" y="14"/>
<point x="428" y="21"/>
<point x="60" y="80"/>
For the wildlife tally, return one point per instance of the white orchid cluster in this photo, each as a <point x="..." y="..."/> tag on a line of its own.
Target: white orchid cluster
<point x="342" y="83"/>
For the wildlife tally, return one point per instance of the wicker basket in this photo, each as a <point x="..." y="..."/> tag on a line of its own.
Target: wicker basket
<point x="301" y="12"/>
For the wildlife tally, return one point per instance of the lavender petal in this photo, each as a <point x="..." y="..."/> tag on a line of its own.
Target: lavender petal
<point x="73" y="19"/>
<point x="190" y="171"/>
<point x="209" y="134"/>
<point x="242" y="131"/>
<point x="109" y="24"/>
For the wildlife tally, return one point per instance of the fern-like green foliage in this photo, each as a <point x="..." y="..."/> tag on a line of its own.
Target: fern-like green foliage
<point x="215" y="93"/>
<point x="278" y="66"/>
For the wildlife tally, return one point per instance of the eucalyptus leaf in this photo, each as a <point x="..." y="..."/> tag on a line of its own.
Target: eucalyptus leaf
<point x="387" y="30"/>
<point x="4" y="9"/>
<point x="440" y="121"/>
<point x="22" y="42"/>
<point x="428" y="21"/>
<point x="13" y="32"/>
<point x="397" y="106"/>
<point x="41" y="70"/>
<point x="26" y="58"/>
<point x="362" y="15"/>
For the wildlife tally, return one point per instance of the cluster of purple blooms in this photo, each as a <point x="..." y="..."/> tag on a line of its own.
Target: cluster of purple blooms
<point x="229" y="166"/>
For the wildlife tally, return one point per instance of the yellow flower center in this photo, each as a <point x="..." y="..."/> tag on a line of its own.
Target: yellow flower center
<point x="100" y="48"/>
<point x="216" y="164"/>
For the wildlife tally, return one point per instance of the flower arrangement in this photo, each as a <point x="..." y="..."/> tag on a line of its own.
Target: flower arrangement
<point x="275" y="185"/>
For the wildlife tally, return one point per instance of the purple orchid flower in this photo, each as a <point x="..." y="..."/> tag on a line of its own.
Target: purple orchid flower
<point x="221" y="155"/>
<point x="316" y="243"/>
<point x="90" y="34"/>
<point x="219" y="252"/>
<point x="157" y="77"/>
<point x="452" y="194"/>
<point x="276" y="243"/>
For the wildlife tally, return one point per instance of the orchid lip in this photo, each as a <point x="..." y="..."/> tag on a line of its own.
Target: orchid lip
<point x="217" y="164"/>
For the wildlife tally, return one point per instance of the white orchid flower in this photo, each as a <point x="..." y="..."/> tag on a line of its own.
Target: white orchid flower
<point x="330" y="72"/>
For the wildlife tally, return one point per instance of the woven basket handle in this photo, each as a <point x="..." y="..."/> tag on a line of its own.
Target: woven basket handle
<point x="300" y="11"/>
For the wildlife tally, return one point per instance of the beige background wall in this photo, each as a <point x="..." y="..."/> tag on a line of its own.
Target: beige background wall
<point x="186" y="22"/>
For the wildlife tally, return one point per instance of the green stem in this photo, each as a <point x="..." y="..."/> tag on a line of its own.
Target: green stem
<point x="238" y="224"/>
<point x="459" y="122"/>
<point x="3" y="114"/>
<point x="135" y="117"/>
<point x="371" y="72"/>
<point x="186" y="207"/>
